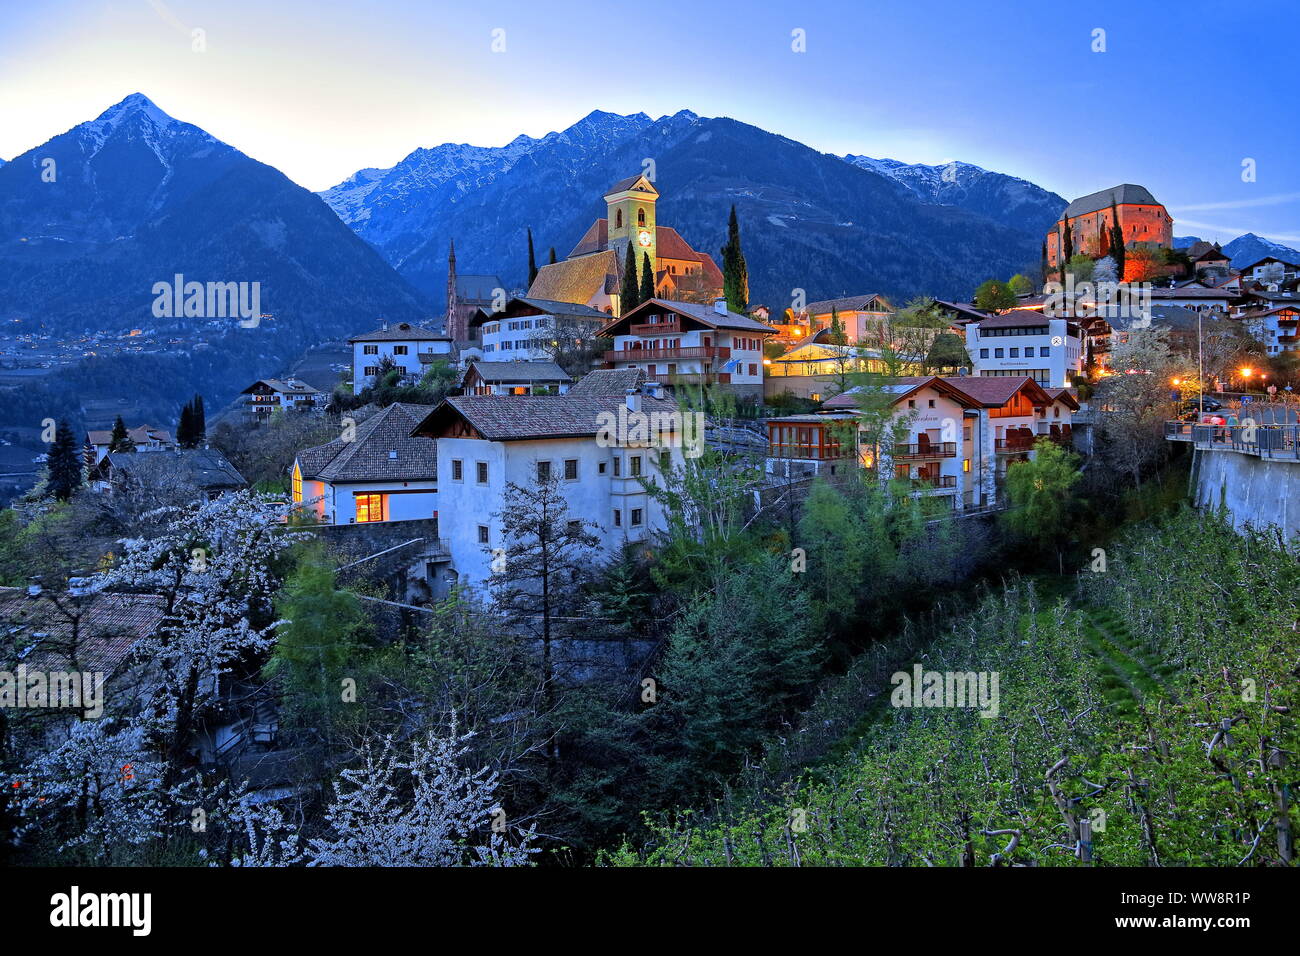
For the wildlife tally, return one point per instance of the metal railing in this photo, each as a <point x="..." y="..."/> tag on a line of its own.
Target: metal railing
<point x="1013" y="446"/>
<point x="934" y="449"/>
<point x="1275" y="442"/>
<point x="682" y="352"/>
<point x="937" y="483"/>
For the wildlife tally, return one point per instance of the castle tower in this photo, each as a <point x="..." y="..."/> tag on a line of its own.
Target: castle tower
<point x="631" y="216"/>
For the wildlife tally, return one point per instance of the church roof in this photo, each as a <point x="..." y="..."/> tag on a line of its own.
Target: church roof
<point x="1124" y="194"/>
<point x="625" y="184"/>
<point x="594" y="239"/>
<point x="575" y="280"/>
<point x="473" y="289"/>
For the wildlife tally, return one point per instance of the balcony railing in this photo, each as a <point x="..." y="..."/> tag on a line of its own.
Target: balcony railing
<point x="656" y="328"/>
<point x="936" y="483"/>
<point x="696" y="378"/>
<point x="934" y="449"/>
<point x="656" y="355"/>
<point x="808" y="451"/>
<point x="1013" y="446"/>
<point x="1274" y="442"/>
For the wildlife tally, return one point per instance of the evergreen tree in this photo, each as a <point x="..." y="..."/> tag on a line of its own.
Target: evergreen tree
<point x="532" y="260"/>
<point x="1067" y="247"/>
<point x="836" y="335"/>
<point x="200" y="420"/>
<point x="1116" y="241"/>
<point x="735" y="273"/>
<point x="647" y="291"/>
<point x="64" y="463"/>
<point x="120" y="440"/>
<point x="1043" y="263"/>
<point x="185" y="427"/>
<point x="552" y="261"/>
<point x="629" y="293"/>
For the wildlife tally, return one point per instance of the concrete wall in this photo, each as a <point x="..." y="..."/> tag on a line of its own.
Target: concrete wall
<point x="1255" y="491"/>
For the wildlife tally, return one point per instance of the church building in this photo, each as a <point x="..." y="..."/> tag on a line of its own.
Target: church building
<point x="466" y="294"/>
<point x="591" y="275"/>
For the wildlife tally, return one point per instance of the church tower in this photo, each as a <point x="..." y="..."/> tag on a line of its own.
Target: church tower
<point x="631" y="214"/>
<point x="450" y="323"/>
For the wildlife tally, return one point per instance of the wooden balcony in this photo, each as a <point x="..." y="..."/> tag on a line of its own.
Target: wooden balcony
<point x="673" y="327"/>
<point x="935" y="483"/>
<point x="660" y="355"/>
<point x="934" y="449"/>
<point x="696" y="378"/>
<point x="1013" y="446"/>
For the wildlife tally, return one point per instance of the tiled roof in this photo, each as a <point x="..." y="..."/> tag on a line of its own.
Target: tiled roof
<point x="1124" y="194"/>
<point x="595" y="239"/>
<point x="520" y="417"/>
<point x="400" y="332"/>
<point x="368" y="457"/>
<point x="545" y="306"/>
<point x="628" y="183"/>
<point x="965" y="311"/>
<point x="141" y="436"/>
<point x="1164" y="292"/>
<point x="288" y="388"/>
<point x="994" y="392"/>
<point x="608" y="381"/>
<point x="1063" y="394"/>
<point x="202" y="468"/>
<point x="574" y="280"/>
<point x="1015" y="319"/>
<point x="521" y="371"/>
<point x="669" y="244"/>
<point x="848" y="303"/>
<point x="701" y="313"/>
<point x="107" y="627"/>
<point x="475" y="289"/>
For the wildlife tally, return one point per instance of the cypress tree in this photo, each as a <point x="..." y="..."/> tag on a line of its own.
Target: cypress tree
<point x="185" y="427"/>
<point x="532" y="260"/>
<point x="1067" y="248"/>
<point x="199" y="421"/>
<point x="647" y="291"/>
<point x="1043" y="263"/>
<point x="120" y="440"/>
<point x="735" y="273"/>
<point x="629" y="294"/>
<point x="552" y="255"/>
<point x="64" y="463"/>
<point x="1116" y="241"/>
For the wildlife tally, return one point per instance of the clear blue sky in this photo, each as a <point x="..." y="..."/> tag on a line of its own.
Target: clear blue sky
<point x="1182" y="95"/>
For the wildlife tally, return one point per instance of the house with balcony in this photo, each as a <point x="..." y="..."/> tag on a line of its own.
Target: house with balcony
<point x="487" y="442"/>
<point x="377" y="473"/>
<point x="804" y="445"/>
<point x="266" y="395"/>
<point x="143" y="438"/>
<point x="682" y="343"/>
<point x="515" y="378"/>
<point x="409" y="347"/>
<point x="1278" y="328"/>
<point x="818" y="370"/>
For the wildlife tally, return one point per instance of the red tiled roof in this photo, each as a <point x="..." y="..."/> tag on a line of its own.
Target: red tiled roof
<point x="994" y="392"/>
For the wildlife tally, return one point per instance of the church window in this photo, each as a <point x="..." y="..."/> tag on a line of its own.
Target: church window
<point x="618" y="219"/>
<point x="640" y="217"/>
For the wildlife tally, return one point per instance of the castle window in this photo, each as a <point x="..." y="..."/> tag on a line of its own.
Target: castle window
<point x="640" y="217"/>
<point x="618" y="219"/>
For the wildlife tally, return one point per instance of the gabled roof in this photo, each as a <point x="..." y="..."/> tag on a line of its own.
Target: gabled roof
<point x="850" y="303"/>
<point x="530" y="305"/>
<point x="965" y="312"/>
<point x="625" y="184"/>
<point x="498" y="372"/>
<point x="994" y="392"/>
<point x="704" y="314"/>
<point x="1065" y="395"/>
<point x="369" y="456"/>
<point x="400" y="332"/>
<point x="1260" y="262"/>
<point x="609" y="382"/>
<point x="288" y="388"/>
<point x="1015" y="319"/>
<point x="1122" y="195"/>
<point x="523" y="417"/>
<point x="1213" y="254"/>
<point x="900" y="389"/>
<point x="141" y="435"/>
<point x="204" y="469"/>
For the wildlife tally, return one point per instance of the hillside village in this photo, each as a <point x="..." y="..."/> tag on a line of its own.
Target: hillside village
<point x="540" y="473"/>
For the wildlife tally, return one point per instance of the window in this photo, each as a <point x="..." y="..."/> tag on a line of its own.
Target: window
<point x="634" y="465"/>
<point x="1045" y="351"/>
<point x="457" y="470"/>
<point x="640" y="217"/>
<point x="753" y="368"/>
<point x="1029" y="352"/>
<point x="911" y="403"/>
<point x="618" y="219"/>
<point x="931" y="403"/>
<point x="399" y="349"/>
<point x="570" y="469"/>
<point x="297" y="483"/>
<point x="636" y="517"/>
<point x="482" y="472"/>
<point x="371" y="370"/>
<point x="984" y="353"/>
<point x="600" y="468"/>
<point x="369" y="508"/>
<point x="482" y="534"/>
<point x="370" y="350"/>
<point x="997" y="353"/>
<point x="543" y="471"/>
<point x="1015" y="353"/>
<point x="618" y="466"/>
<point x="618" y="518"/>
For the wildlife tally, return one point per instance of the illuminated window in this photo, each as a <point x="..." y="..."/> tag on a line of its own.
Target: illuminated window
<point x="965" y="464"/>
<point x="297" y="483"/>
<point x="369" y="508"/>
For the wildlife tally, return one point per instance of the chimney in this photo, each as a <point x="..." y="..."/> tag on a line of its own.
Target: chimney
<point x="654" y="390"/>
<point x="385" y="326"/>
<point x="720" y="306"/>
<point x="633" y="400"/>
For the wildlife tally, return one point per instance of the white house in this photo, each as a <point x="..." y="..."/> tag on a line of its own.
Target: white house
<point x="375" y="472"/>
<point x="486" y="442"/>
<point x="144" y="438"/>
<point x="682" y="343"/>
<point x="409" y="347"/>
<point x="530" y="329"/>
<point x="267" y="394"/>
<point x="1026" y="342"/>
<point x="514" y="378"/>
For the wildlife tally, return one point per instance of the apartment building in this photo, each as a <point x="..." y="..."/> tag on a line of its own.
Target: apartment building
<point x="1025" y="342"/>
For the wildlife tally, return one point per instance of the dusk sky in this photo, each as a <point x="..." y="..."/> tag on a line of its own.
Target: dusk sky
<point x="1182" y="95"/>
